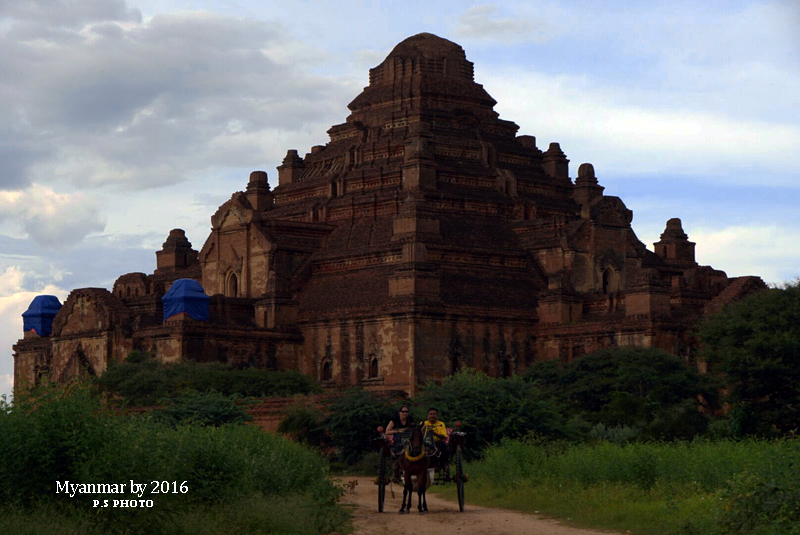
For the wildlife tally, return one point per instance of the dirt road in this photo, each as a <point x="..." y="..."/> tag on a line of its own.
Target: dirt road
<point x="444" y="515"/>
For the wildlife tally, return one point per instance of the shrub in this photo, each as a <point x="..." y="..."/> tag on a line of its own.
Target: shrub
<point x="351" y="422"/>
<point x="766" y="502"/>
<point x="491" y="409"/>
<point x="65" y="434"/>
<point x="306" y="425"/>
<point x="201" y="408"/>
<point x="141" y="380"/>
<point x="645" y="389"/>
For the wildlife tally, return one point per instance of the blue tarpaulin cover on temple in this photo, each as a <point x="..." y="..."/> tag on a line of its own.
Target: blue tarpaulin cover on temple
<point x="186" y="295"/>
<point x="39" y="316"/>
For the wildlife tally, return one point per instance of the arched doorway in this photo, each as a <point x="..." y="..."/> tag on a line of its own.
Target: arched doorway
<point x="232" y="289"/>
<point x="506" y="368"/>
<point x="327" y="372"/>
<point x="608" y="280"/>
<point x="373" y="368"/>
<point x="455" y="363"/>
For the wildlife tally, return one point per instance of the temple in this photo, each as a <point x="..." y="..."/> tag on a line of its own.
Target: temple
<point x="426" y="235"/>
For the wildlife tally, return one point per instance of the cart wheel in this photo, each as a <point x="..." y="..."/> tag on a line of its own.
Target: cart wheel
<point x="460" y="477"/>
<point x="382" y="480"/>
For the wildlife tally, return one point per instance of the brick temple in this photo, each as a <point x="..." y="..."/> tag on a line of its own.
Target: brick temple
<point x="426" y="235"/>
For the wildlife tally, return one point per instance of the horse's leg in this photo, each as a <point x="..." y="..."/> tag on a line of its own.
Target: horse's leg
<point x="422" y="482"/>
<point x="407" y="491"/>
<point x="403" y="503"/>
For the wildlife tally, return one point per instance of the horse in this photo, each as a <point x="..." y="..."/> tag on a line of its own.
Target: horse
<point x="414" y="461"/>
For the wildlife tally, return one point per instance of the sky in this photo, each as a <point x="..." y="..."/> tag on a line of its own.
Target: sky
<point x="123" y="120"/>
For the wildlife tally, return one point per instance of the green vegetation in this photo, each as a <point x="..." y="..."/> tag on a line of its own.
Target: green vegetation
<point x="655" y="488"/>
<point x="142" y="380"/>
<point x="237" y="476"/>
<point x="490" y="409"/>
<point x="648" y="391"/>
<point x="755" y="344"/>
<point x="201" y="408"/>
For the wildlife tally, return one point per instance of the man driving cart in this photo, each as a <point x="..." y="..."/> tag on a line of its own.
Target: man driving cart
<point x="436" y="433"/>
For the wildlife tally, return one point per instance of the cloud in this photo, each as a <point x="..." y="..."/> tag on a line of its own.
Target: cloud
<point x="483" y="22"/>
<point x="604" y="124"/>
<point x="144" y="104"/>
<point x="52" y="219"/>
<point x="768" y="251"/>
<point x="6" y="384"/>
<point x="14" y="300"/>
<point x="68" y="13"/>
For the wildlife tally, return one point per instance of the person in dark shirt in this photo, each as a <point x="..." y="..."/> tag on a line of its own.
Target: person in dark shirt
<point x="400" y="423"/>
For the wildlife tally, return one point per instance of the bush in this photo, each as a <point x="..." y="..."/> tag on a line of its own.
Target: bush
<point x="201" y="408"/>
<point x="758" y="504"/>
<point x="648" y="390"/>
<point x="306" y="425"/>
<point x="65" y="434"/>
<point x="351" y="422"/>
<point x="142" y="380"/>
<point x="491" y="409"/>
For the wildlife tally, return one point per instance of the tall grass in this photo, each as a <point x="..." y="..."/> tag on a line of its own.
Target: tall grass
<point x="67" y="435"/>
<point x="648" y="488"/>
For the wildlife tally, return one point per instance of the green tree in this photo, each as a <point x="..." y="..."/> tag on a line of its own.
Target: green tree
<point x="644" y="388"/>
<point x="491" y="409"/>
<point x="755" y="344"/>
<point x="352" y="420"/>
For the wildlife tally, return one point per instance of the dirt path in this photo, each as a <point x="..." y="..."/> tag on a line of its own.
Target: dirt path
<point x="444" y="515"/>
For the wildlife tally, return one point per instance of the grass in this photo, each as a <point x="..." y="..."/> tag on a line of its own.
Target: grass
<point x="658" y="489"/>
<point x="239" y="478"/>
<point x="262" y="515"/>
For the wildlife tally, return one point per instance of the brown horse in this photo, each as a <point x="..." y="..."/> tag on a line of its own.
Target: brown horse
<point x="414" y="461"/>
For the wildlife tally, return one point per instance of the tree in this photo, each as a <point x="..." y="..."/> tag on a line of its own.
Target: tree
<point x="491" y="409"/>
<point x="755" y="344"/>
<point x="352" y="419"/>
<point x="644" y="388"/>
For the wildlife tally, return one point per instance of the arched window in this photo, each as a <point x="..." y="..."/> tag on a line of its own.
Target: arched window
<point x="608" y="281"/>
<point x="373" y="368"/>
<point x="506" y="368"/>
<point x="455" y="363"/>
<point x="233" y="286"/>
<point x="327" y="372"/>
<point x="128" y="291"/>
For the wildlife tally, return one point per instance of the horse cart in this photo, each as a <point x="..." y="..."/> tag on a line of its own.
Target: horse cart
<point x="391" y="447"/>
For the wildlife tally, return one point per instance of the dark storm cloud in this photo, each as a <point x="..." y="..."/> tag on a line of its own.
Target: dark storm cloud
<point x="144" y="105"/>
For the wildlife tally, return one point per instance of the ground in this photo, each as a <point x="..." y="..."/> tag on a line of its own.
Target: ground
<point x="444" y="515"/>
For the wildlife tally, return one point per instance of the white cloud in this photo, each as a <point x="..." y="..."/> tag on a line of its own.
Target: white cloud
<point x="484" y="22"/>
<point x="767" y="251"/>
<point x="52" y="219"/>
<point x="602" y="125"/>
<point x="14" y="300"/>
<point x="6" y="384"/>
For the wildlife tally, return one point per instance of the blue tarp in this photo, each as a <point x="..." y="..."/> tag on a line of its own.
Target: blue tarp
<point x="186" y="295"/>
<point x="39" y="316"/>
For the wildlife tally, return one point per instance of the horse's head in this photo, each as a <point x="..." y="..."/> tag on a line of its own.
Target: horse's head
<point x="415" y="442"/>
